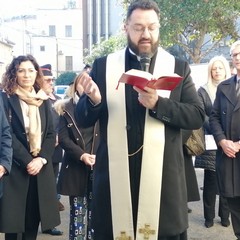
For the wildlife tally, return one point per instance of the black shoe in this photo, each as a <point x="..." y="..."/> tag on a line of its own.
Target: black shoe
<point x="208" y="223"/>
<point x="53" y="232"/>
<point x="225" y="222"/>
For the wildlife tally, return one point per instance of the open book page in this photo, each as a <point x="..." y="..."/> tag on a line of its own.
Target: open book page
<point x="143" y="79"/>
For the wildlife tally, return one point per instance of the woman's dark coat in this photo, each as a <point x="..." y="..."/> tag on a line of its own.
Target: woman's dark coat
<point x="5" y="144"/>
<point x="73" y="177"/>
<point x="207" y="159"/>
<point x="13" y="204"/>
<point x="224" y="122"/>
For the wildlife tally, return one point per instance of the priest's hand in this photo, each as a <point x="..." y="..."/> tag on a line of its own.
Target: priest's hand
<point x="90" y="88"/>
<point x="147" y="97"/>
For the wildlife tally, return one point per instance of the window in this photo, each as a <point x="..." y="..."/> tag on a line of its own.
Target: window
<point x="52" y="31"/>
<point x="68" y="31"/>
<point x="69" y="63"/>
<point x="71" y="4"/>
<point x="42" y="48"/>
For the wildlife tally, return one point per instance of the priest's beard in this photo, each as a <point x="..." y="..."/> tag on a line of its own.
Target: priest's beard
<point x="137" y="51"/>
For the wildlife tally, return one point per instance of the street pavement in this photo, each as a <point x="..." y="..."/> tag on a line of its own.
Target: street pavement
<point x="196" y="231"/>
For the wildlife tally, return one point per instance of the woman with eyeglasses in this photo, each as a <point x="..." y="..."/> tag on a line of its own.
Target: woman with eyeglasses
<point x="218" y="71"/>
<point x="30" y="190"/>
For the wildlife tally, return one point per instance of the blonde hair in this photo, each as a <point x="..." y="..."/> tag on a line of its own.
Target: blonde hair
<point x="225" y="63"/>
<point x="72" y="88"/>
<point x="69" y="92"/>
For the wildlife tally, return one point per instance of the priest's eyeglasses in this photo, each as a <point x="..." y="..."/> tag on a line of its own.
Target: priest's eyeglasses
<point x="140" y="29"/>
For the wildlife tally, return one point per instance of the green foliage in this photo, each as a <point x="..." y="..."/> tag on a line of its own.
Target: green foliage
<point x="104" y="48"/>
<point x="66" y="78"/>
<point x="184" y="23"/>
<point x="187" y="22"/>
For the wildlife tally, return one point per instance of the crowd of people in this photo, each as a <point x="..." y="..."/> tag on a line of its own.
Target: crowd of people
<point x="118" y="153"/>
<point x="218" y="71"/>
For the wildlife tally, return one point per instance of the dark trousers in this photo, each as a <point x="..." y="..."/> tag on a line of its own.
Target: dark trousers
<point x="210" y="191"/>
<point x="182" y="236"/>
<point x="32" y="217"/>
<point x="56" y="170"/>
<point x="234" y="206"/>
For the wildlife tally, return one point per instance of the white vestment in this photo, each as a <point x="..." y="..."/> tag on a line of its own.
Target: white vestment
<point x="152" y="158"/>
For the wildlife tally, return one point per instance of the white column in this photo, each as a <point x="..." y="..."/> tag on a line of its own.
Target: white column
<point x="98" y="19"/>
<point x="106" y="18"/>
<point x="90" y="41"/>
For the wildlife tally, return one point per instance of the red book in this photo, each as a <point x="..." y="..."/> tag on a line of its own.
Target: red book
<point x="143" y="79"/>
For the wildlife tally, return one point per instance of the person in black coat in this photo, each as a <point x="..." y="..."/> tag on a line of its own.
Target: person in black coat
<point x="30" y="189"/>
<point x="5" y="146"/>
<point x="224" y="122"/>
<point x="48" y="87"/>
<point x="139" y="180"/>
<point x="75" y="178"/>
<point x="218" y="71"/>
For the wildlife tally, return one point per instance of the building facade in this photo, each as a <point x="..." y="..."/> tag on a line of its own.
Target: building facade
<point x="6" y="48"/>
<point x="101" y="20"/>
<point x="59" y="35"/>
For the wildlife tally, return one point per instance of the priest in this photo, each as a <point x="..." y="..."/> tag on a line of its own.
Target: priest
<point x="139" y="179"/>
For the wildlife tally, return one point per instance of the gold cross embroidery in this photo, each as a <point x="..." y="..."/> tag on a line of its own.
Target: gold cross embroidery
<point x="123" y="237"/>
<point x="146" y="231"/>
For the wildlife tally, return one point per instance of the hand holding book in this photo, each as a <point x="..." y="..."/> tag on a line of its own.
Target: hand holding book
<point x="143" y="79"/>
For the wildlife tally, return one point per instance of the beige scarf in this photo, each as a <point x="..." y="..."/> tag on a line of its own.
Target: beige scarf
<point x="34" y="101"/>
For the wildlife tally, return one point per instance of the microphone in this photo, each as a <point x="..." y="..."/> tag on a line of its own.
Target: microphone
<point x="145" y="61"/>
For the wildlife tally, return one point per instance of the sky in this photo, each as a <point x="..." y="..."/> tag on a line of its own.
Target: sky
<point x="19" y="7"/>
